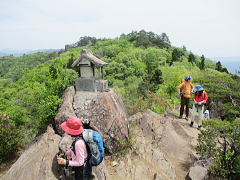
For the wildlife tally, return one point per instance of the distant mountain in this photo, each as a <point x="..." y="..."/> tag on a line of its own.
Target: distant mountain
<point x="7" y="52"/>
<point x="231" y="63"/>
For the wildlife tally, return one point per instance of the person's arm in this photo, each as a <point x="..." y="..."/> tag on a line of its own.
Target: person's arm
<point x="80" y="148"/>
<point x="68" y="153"/>
<point x="191" y="87"/>
<point x="205" y="97"/>
<point x="179" y="87"/>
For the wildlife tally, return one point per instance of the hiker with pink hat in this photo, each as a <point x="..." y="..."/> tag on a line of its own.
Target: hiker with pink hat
<point x="78" y="151"/>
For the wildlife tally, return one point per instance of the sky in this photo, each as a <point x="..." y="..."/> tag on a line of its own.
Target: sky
<point x="209" y="27"/>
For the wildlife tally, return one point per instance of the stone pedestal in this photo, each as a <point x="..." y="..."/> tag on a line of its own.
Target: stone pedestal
<point x="91" y="84"/>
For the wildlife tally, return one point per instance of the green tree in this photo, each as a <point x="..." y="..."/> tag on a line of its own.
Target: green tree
<point x="156" y="79"/>
<point x="220" y="140"/>
<point x="53" y="72"/>
<point x="87" y="41"/>
<point x="176" y="54"/>
<point x="224" y="70"/>
<point x="219" y="66"/>
<point x="147" y="39"/>
<point x="202" y="63"/>
<point x="191" y="58"/>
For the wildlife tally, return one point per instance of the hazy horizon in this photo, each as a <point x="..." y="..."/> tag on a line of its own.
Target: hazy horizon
<point x="205" y="27"/>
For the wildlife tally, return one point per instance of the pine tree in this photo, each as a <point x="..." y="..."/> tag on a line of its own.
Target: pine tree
<point x="218" y="66"/>
<point x="202" y="64"/>
<point x="176" y="54"/>
<point x="191" y="58"/>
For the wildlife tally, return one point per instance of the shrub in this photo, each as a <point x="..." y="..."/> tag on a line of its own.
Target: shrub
<point x="11" y="139"/>
<point x="220" y="140"/>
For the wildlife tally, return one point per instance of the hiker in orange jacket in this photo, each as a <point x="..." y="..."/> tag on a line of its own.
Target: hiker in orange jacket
<point x="184" y="90"/>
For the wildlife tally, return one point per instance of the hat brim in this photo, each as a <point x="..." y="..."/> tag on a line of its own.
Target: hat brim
<point x="66" y="129"/>
<point x="201" y="89"/>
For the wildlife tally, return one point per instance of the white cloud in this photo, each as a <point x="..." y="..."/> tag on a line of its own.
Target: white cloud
<point x="208" y="27"/>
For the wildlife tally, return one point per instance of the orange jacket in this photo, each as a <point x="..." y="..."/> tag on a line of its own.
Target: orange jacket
<point x="186" y="87"/>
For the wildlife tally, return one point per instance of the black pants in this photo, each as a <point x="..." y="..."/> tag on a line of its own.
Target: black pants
<point x="87" y="170"/>
<point x="83" y="172"/>
<point x="79" y="172"/>
<point x="184" y="102"/>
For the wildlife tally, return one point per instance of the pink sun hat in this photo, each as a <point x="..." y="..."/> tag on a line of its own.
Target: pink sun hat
<point x="72" y="126"/>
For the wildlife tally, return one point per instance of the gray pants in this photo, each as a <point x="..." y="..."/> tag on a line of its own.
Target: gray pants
<point x="197" y="111"/>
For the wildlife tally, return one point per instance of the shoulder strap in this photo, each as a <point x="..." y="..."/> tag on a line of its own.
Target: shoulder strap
<point x="74" y="142"/>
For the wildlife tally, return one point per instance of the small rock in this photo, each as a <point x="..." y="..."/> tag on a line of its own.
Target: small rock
<point x="156" y="177"/>
<point x="114" y="163"/>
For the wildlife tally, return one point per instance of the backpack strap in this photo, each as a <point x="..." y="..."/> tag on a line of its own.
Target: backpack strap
<point x="74" y="142"/>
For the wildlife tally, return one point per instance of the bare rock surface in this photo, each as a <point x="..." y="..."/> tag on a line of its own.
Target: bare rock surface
<point x="38" y="162"/>
<point x="163" y="148"/>
<point x="81" y="103"/>
<point x="66" y="108"/>
<point x="178" y="144"/>
<point x="106" y="112"/>
<point x="199" y="171"/>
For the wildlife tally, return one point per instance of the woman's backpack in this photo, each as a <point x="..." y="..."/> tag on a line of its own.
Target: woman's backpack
<point x="94" y="144"/>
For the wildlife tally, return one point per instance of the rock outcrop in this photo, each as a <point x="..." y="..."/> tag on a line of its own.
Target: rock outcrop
<point x="39" y="161"/>
<point x="66" y="108"/>
<point x="162" y="148"/>
<point x="106" y="112"/>
<point x="199" y="171"/>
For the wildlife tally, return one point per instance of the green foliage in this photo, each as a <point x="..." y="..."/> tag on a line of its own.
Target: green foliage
<point x="12" y="67"/>
<point x="220" y="140"/>
<point x="220" y="68"/>
<point x="184" y="48"/>
<point x="202" y="63"/>
<point x="176" y="54"/>
<point x="191" y="58"/>
<point x="11" y="139"/>
<point x="86" y="41"/>
<point x="147" y="39"/>
<point x="156" y="79"/>
<point x="223" y="93"/>
<point x="31" y="102"/>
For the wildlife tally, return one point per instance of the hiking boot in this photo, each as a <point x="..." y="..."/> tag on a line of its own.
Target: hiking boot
<point x="187" y="118"/>
<point x="191" y="124"/>
<point x="199" y="127"/>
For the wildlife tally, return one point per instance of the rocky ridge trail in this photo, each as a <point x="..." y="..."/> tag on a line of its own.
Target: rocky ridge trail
<point x="163" y="148"/>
